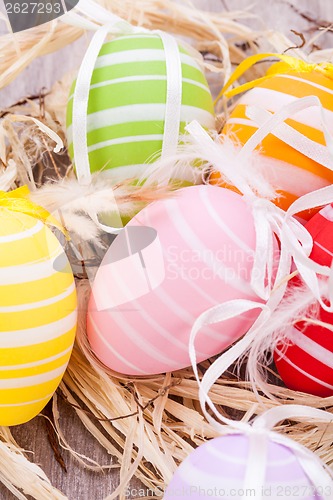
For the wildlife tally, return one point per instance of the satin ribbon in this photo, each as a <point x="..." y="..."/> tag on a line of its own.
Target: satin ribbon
<point x="269" y="123"/>
<point x="269" y="220"/>
<point x="80" y="105"/>
<point x="173" y="104"/>
<point x="18" y="201"/>
<point x="288" y="64"/>
<point x="293" y="234"/>
<point x="296" y="244"/>
<point x="259" y="432"/>
<point x="111" y="24"/>
<point x="117" y="26"/>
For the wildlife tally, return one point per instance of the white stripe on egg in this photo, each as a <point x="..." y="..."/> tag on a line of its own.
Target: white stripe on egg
<point x="125" y="140"/>
<point x="113" y="351"/>
<point x="307" y="82"/>
<point x="327" y="213"/>
<point x="222" y="225"/>
<point x="16" y="383"/>
<point x="311" y="347"/>
<point x="39" y="334"/>
<point x="33" y="364"/>
<point x="23" y="273"/>
<point x="143" y="78"/>
<point x="26" y="403"/>
<point x="155" y="112"/>
<point x="40" y="303"/>
<point x="142" y="55"/>
<point x="192" y="241"/>
<point x="237" y="460"/>
<point x="26" y="233"/>
<point x="303" y="372"/>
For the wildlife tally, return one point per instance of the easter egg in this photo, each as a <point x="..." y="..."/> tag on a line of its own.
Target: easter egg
<point x="127" y="104"/>
<point x="38" y="316"/>
<point x="217" y="469"/>
<point x="306" y="363"/>
<point x="290" y="171"/>
<point x="187" y="254"/>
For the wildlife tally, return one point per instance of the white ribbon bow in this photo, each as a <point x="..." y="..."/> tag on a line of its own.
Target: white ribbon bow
<point x="292" y="235"/>
<point x="269" y="220"/>
<point x="260" y="432"/>
<point x="296" y="242"/>
<point x="310" y="271"/>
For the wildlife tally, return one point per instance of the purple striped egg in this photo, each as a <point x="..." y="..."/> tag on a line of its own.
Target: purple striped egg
<point x="217" y="469"/>
<point x="174" y="260"/>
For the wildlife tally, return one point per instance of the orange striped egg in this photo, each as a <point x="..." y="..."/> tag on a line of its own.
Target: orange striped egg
<point x="38" y="316"/>
<point x="290" y="171"/>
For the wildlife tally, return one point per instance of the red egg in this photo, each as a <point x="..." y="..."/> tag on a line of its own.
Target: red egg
<point x="306" y="363"/>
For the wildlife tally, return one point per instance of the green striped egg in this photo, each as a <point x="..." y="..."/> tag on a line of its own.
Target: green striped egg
<point x="126" y="107"/>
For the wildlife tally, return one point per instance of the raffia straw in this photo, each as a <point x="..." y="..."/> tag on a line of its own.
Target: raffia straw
<point x="208" y="30"/>
<point x="172" y="425"/>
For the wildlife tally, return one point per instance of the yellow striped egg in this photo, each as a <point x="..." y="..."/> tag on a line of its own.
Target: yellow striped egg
<point x="38" y="316"/>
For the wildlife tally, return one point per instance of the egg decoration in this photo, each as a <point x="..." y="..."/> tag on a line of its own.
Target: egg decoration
<point x="38" y="315"/>
<point x="217" y="469"/>
<point x="127" y="103"/>
<point x="306" y="362"/>
<point x="293" y="173"/>
<point x="207" y="240"/>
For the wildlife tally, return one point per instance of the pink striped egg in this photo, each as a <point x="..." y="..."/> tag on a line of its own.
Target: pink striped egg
<point x="306" y="364"/>
<point x="217" y="470"/>
<point x="174" y="260"/>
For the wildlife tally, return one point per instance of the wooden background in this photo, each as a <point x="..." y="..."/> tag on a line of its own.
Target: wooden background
<point x="77" y="483"/>
<point x="274" y="14"/>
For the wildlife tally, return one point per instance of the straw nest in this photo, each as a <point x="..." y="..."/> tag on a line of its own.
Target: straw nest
<point x="155" y="421"/>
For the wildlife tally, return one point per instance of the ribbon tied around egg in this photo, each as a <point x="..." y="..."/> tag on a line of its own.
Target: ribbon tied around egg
<point x="286" y="63"/>
<point x="106" y="134"/>
<point x="112" y="24"/>
<point x="296" y="242"/>
<point x="18" y="201"/>
<point x="270" y="276"/>
<point x="260" y="431"/>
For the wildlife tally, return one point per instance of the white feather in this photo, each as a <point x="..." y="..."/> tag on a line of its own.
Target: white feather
<point x="297" y="305"/>
<point x="194" y="161"/>
<point x="80" y="207"/>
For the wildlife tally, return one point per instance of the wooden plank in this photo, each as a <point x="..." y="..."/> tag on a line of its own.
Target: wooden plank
<point x="274" y="14"/>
